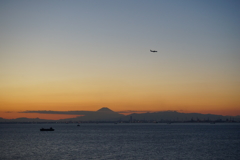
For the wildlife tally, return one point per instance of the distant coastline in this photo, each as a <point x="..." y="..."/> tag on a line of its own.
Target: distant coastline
<point x="105" y="115"/>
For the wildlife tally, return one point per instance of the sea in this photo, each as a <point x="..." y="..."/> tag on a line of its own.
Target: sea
<point x="120" y="141"/>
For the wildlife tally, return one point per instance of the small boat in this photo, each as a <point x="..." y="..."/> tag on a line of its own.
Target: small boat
<point x="78" y="125"/>
<point x="47" y="129"/>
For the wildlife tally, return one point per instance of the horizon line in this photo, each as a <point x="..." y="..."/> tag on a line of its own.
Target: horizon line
<point x="127" y="112"/>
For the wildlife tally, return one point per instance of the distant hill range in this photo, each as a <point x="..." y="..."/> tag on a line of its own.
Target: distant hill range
<point x="107" y="115"/>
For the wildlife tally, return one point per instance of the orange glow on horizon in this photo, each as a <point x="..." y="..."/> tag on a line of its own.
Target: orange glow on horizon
<point x="93" y="94"/>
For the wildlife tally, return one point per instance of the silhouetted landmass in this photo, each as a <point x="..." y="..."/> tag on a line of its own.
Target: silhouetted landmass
<point x="103" y="114"/>
<point x="107" y="115"/>
<point x="176" y="116"/>
<point x="24" y="119"/>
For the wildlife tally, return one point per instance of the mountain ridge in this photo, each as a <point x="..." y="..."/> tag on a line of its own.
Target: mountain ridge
<point x="106" y="114"/>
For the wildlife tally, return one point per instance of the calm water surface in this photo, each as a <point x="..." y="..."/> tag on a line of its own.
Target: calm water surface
<point x="120" y="141"/>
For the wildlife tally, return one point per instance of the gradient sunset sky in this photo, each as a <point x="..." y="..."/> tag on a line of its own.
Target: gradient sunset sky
<point x="84" y="55"/>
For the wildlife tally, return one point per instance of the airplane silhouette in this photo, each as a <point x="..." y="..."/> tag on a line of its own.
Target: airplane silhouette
<point x="152" y="50"/>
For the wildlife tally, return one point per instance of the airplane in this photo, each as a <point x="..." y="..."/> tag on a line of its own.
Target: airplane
<point x="152" y="50"/>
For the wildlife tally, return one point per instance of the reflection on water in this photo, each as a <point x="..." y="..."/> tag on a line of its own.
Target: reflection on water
<point x="121" y="141"/>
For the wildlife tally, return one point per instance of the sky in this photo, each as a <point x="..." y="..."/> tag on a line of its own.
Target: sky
<point x="84" y="55"/>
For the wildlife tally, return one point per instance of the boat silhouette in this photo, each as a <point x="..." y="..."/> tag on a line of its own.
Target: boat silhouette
<point x="47" y="129"/>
